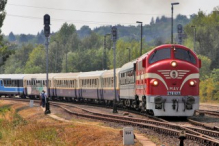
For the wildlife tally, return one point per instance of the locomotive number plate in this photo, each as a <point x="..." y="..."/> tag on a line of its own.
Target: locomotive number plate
<point x="173" y="93"/>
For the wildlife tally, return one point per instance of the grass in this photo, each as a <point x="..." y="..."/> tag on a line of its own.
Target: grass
<point x="22" y="125"/>
<point x="29" y="126"/>
<point x="17" y="131"/>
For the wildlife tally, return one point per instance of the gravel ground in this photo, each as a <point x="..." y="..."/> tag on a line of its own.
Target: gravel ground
<point x="158" y="138"/>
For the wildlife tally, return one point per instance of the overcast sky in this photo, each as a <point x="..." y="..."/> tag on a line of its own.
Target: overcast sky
<point x="26" y="16"/>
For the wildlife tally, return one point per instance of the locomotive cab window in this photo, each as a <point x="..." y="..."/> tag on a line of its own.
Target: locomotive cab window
<point x="160" y="54"/>
<point x="184" y="55"/>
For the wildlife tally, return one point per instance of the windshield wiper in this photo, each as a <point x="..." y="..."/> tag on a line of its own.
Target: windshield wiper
<point x="190" y="57"/>
<point x="153" y="55"/>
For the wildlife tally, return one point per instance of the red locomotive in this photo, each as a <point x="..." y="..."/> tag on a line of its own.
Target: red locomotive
<point x="167" y="81"/>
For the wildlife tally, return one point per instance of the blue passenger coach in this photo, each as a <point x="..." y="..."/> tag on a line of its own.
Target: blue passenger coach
<point x="11" y="85"/>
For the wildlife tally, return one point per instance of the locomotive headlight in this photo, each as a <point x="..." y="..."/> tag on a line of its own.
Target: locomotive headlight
<point x="154" y="82"/>
<point x="173" y="63"/>
<point x="192" y="83"/>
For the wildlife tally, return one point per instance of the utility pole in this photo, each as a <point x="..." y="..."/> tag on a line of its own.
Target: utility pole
<point x="194" y="35"/>
<point x="141" y="36"/>
<point x="47" y="34"/>
<point x="129" y="53"/>
<point x="104" y="52"/>
<point x="172" y="4"/>
<point x="114" y="38"/>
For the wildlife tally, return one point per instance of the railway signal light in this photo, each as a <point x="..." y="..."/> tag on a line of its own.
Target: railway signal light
<point x="114" y="33"/>
<point x="47" y="30"/>
<point x="180" y="31"/>
<point x="46" y="19"/>
<point x="46" y="25"/>
<point x="179" y="28"/>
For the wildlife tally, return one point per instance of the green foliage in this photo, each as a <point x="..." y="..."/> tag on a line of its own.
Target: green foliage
<point x="18" y="120"/>
<point x="1" y="135"/>
<point x="11" y="37"/>
<point x="4" y="109"/>
<point x="2" y="15"/>
<point x="36" y="61"/>
<point x="84" y="31"/>
<point x="209" y="88"/>
<point x="16" y="62"/>
<point x="205" y="68"/>
<point x="207" y="43"/>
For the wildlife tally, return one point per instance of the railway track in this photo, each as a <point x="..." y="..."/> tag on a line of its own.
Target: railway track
<point x="209" y="112"/>
<point x="199" y="135"/>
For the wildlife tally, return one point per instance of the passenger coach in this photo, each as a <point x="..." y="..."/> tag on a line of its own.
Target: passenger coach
<point x="11" y="85"/>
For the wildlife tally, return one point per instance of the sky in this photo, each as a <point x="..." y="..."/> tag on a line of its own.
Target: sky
<point x="26" y="16"/>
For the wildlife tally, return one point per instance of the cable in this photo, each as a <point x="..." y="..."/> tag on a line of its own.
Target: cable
<point x="76" y="21"/>
<point x="83" y="11"/>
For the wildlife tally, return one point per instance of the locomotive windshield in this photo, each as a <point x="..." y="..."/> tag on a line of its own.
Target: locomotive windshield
<point x="160" y="55"/>
<point x="184" y="55"/>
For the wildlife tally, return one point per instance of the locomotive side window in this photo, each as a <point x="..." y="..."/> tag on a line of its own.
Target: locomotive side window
<point x="159" y="55"/>
<point x="184" y="55"/>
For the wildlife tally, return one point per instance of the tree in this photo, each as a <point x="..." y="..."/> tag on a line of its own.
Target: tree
<point x="2" y="14"/>
<point x="11" y="37"/>
<point x="206" y="36"/>
<point x="23" y="38"/>
<point x="205" y="69"/>
<point x="152" y="21"/>
<point x="17" y="61"/>
<point x="92" y="41"/>
<point x="84" y="31"/>
<point x="40" y="39"/>
<point x="36" y="62"/>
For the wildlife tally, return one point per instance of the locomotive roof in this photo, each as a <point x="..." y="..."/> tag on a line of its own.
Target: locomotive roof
<point x="91" y="74"/>
<point x="110" y="73"/>
<point x="12" y="76"/>
<point x="162" y="46"/>
<point x="128" y="65"/>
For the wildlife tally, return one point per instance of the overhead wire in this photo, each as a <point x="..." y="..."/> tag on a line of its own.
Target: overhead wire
<point x="85" y="11"/>
<point x="65" y="20"/>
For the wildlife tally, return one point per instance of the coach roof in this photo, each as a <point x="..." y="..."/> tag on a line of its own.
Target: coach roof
<point x="12" y="76"/>
<point x="67" y="75"/>
<point x="128" y="65"/>
<point x="91" y="74"/>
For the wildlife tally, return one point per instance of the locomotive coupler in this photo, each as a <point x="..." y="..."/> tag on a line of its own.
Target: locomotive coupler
<point x="174" y="104"/>
<point x="184" y="102"/>
<point x="177" y="105"/>
<point x="164" y="100"/>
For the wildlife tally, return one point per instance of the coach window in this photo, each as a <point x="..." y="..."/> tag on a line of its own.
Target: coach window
<point x="71" y="84"/>
<point x="74" y="83"/>
<point x="184" y="55"/>
<point x="160" y="54"/>
<point x="57" y="83"/>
